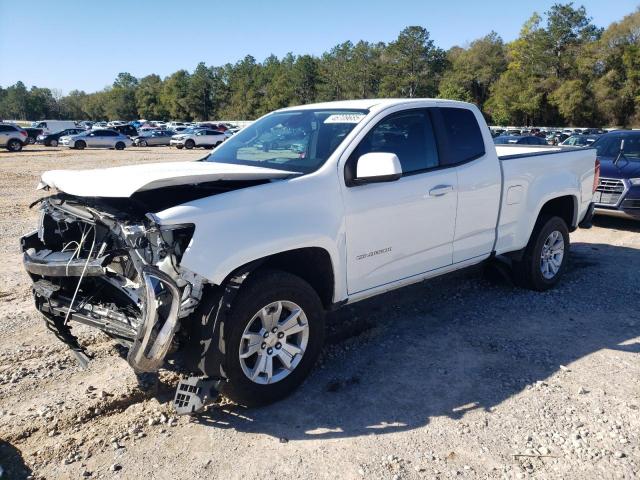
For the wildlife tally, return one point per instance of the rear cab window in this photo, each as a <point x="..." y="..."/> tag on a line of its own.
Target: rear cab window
<point x="459" y="136"/>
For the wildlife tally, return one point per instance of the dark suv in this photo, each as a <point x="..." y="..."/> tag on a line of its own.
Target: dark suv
<point x="128" y="130"/>
<point x="32" y="134"/>
<point x="618" y="191"/>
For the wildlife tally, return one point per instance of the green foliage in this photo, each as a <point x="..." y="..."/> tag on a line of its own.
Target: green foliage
<point x="412" y="65"/>
<point x="561" y="69"/>
<point x="472" y="71"/>
<point x="148" y="98"/>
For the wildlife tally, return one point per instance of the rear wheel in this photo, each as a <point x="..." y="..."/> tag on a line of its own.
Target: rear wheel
<point x="546" y="255"/>
<point x="53" y="143"/>
<point x="120" y="146"/>
<point x="189" y="144"/>
<point x="80" y="145"/>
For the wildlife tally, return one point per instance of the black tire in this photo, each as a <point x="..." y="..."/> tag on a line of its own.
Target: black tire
<point x="217" y="143"/>
<point x="179" y="147"/>
<point x="143" y="143"/>
<point x="14" y="145"/>
<point x="189" y="144"/>
<point x="31" y="140"/>
<point x="53" y="143"/>
<point x="80" y="145"/>
<point x="528" y="271"/>
<point x="120" y="146"/>
<point x="262" y="288"/>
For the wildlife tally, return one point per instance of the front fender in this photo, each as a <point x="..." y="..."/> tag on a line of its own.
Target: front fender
<point x="238" y="227"/>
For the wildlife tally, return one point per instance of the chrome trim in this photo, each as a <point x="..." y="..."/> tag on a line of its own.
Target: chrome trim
<point x="615" y="213"/>
<point x="156" y="333"/>
<point x="624" y="182"/>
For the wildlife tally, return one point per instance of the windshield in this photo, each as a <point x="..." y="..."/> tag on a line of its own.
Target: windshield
<point x="296" y="140"/>
<point x="609" y="146"/>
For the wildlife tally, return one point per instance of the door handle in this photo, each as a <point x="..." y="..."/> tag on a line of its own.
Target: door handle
<point x="440" y="190"/>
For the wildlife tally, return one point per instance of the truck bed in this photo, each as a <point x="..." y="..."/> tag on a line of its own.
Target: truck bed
<point x="532" y="175"/>
<point x="507" y="152"/>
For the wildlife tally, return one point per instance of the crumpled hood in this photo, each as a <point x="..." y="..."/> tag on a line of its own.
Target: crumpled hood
<point x="122" y="182"/>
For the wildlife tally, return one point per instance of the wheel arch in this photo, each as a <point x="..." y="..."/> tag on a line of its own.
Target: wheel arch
<point x="565" y="207"/>
<point x="312" y="264"/>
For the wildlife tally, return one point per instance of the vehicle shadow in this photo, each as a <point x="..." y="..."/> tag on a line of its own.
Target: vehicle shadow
<point x="12" y="463"/>
<point x="625" y="224"/>
<point x="448" y="346"/>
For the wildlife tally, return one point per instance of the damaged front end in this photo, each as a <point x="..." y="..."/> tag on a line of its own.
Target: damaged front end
<point x="114" y="269"/>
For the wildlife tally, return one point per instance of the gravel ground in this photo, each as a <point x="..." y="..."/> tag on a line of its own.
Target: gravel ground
<point x="460" y="377"/>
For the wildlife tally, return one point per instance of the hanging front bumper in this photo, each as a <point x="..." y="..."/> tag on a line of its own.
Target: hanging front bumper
<point x="160" y="321"/>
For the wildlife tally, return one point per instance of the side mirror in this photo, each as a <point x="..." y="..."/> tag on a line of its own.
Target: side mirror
<point x="378" y="167"/>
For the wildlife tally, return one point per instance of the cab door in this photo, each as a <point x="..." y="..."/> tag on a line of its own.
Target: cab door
<point x="403" y="228"/>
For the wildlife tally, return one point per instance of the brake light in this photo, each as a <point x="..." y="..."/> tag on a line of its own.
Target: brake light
<point x="23" y="133"/>
<point x="596" y="176"/>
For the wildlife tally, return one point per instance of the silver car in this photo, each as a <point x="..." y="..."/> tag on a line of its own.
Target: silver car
<point x="158" y="137"/>
<point x="12" y="137"/>
<point x="96" y="139"/>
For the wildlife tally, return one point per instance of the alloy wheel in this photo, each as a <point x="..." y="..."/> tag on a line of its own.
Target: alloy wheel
<point x="274" y="342"/>
<point x="552" y="255"/>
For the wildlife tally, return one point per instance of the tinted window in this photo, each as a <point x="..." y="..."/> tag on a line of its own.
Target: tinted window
<point x="609" y="146"/>
<point x="7" y="128"/>
<point x="459" y="135"/>
<point x="109" y="133"/>
<point x="409" y="135"/>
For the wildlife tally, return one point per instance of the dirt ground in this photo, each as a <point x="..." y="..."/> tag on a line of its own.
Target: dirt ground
<point x="459" y="377"/>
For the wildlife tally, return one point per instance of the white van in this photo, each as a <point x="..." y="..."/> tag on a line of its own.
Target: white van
<point x="53" y="126"/>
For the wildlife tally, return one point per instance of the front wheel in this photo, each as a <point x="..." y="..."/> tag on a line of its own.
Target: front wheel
<point x="53" y="143"/>
<point x="273" y="336"/>
<point x="142" y="143"/>
<point x="80" y="145"/>
<point x="546" y="255"/>
<point x="189" y="144"/>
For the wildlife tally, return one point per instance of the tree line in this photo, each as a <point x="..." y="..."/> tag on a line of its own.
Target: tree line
<point x="561" y="70"/>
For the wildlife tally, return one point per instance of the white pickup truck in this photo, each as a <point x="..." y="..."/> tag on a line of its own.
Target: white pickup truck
<point x="231" y="262"/>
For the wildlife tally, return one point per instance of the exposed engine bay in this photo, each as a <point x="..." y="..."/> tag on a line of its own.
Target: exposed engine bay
<point x="112" y="268"/>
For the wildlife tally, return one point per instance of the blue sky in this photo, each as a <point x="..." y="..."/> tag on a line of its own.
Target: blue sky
<point x="84" y="44"/>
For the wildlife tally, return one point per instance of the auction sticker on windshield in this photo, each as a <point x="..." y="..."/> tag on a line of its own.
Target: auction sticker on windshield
<point x="344" y="118"/>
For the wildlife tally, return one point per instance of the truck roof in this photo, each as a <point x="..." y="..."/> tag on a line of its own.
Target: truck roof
<point x="367" y="104"/>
